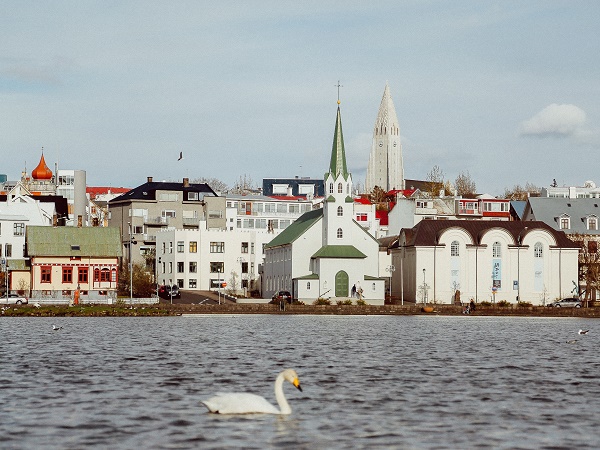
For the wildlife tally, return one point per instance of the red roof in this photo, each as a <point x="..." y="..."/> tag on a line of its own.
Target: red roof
<point x="288" y="197"/>
<point x="362" y="200"/>
<point x="382" y="215"/>
<point x="405" y="192"/>
<point x="94" y="191"/>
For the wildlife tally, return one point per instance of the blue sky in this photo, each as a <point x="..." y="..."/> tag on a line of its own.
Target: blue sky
<point x="507" y="90"/>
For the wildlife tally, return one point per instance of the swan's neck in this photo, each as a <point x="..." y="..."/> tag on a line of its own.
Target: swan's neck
<point x="281" y="401"/>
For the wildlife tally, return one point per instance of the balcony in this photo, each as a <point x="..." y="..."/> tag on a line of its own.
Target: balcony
<point x="157" y="220"/>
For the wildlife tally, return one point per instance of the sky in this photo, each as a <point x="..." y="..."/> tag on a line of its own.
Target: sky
<point x="508" y="91"/>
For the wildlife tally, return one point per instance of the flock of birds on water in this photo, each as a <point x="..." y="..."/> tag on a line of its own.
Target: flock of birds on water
<point x="246" y="403"/>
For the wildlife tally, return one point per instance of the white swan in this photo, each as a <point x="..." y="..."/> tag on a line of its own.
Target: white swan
<point x="243" y="403"/>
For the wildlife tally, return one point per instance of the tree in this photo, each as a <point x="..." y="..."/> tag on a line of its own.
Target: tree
<point x="143" y="285"/>
<point x="518" y="192"/>
<point x="377" y="195"/>
<point x="589" y="263"/>
<point x="214" y="183"/>
<point x="243" y="185"/>
<point x="435" y="181"/>
<point x="464" y="184"/>
<point x="232" y="286"/>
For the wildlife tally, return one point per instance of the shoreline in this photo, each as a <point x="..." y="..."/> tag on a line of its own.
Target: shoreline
<point x="167" y="310"/>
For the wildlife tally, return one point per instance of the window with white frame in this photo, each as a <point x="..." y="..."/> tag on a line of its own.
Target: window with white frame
<point x="538" y="250"/>
<point x="340" y="211"/>
<point x="217" y="247"/>
<point x="340" y="188"/>
<point x="565" y="222"/>
<point x="496" y="250"/>
<point x="592" y="223"/>
<point x="340" y="233"/>
<point x="361" y="217"/>
<point x="454" y="249"/>
<point x="192" y="196"/>
<point x="331" y="188"/>
<point x="19" y="229"/>
<point x="180" y="246"/>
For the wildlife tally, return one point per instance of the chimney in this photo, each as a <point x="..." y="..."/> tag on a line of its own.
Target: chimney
<point x="186" y="182"/>
<point x="54" y="220"/>
<point x="149" y="179"/>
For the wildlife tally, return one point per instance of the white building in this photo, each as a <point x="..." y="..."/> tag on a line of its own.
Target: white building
<point x="385" y="168"/>
<point x="326" y="252"/>
<point x="204" y="257"/>
<point x="485" y="261"/>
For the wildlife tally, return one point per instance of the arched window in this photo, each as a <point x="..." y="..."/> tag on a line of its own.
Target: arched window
<point x="454" y="249"/>
<point x="340" y="211"/>
<point x="538" y="250"/>
<point x="340" y="188"/>
<point x="340" y="233"/>
<point x="308" y="285"/>
<point x="496" y="250"/>
<point x="331" y="188"/>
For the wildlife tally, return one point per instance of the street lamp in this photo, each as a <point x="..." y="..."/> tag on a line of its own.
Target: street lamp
<point x="391" y="268"/>
<point x="424" y="288"/>
<point x="130" y="266"/>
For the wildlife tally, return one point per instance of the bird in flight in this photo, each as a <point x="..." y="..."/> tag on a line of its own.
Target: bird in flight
<point x="583" y="331"/>
<point x="180" y="156"/>
<point x="55" y="328"/>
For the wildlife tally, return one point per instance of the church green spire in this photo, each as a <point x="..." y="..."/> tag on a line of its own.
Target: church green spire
<point x="337" y="165"/>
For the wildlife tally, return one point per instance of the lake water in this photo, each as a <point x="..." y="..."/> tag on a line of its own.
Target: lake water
<point x="368" y="382"/>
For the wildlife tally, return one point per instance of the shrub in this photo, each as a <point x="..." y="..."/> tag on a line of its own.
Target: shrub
<point x="503" y="304"/>
<point x="322" y="301"/>
<point x="524" y="304"/>
<point x="361" y="302"/>
<point x="485" y="303"/>
<point x="347" y="302"/>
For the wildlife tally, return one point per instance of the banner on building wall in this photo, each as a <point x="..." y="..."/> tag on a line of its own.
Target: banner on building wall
<point x="497" y="273"/>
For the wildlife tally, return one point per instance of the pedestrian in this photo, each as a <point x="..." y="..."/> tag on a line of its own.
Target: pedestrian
<point x="472" y="305"/>
<point x="353" y="292"/>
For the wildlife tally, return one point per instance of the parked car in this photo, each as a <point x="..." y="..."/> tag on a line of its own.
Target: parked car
<point x="169" y="291"/>
<point x="282" y="295"/>
<point x="14" y="299"/>
<point x="568" y="303"/>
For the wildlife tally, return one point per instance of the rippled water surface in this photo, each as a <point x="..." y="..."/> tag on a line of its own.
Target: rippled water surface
<point x="368" y="382"/>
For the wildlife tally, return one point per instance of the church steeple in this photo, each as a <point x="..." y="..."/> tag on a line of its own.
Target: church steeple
<point x="385" y="168"/>
<point x="337" y="165"/>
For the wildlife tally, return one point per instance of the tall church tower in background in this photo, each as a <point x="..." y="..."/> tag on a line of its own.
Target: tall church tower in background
<point x="386" y="169"/>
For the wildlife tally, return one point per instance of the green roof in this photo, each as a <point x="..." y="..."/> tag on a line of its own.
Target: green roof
<point x="337" y="165"/>
<point x="312" y="276"/>
<point x="73" y="241"/>
<point x="339" y="251"/>
<point x="370" y="278"/>
<point x="17" y="264"/>
<point x="296" y="229"/>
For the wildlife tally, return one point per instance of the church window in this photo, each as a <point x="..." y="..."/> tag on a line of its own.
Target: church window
<point x="340" y="188"/>
<point x="308" y="285"/>
<point x="496" y="250"/>
<point x="538" y="250"/>
<point x="454" y="249"/>
<point x="340" y="211"/>
<point x="340" y="233"/>
<point x="331" y="188"/>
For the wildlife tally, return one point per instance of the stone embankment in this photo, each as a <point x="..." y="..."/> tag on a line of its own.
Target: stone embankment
<point x="181" y="309"/>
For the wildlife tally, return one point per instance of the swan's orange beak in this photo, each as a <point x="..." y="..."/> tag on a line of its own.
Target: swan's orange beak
<point x="296" y="383"/>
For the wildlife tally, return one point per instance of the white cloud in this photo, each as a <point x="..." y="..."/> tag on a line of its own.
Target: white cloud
<point x="555" y="121"/>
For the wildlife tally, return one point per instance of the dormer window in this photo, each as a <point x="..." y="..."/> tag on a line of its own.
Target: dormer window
<point x="592" y="223"/>
<point x="564" y="222"/>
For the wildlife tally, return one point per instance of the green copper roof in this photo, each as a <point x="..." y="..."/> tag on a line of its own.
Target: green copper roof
<point x="337" y="165"/>
<point x="73" y="241"/>
<point x="339" y="251"/>
<point x="296" y="229"/>
<point x="312" y="276"/>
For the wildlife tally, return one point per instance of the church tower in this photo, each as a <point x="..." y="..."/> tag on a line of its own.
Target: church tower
<point x="338" y="205"/>
<point x="385" y="168"/>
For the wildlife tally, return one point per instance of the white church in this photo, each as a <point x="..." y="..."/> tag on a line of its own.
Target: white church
<point x="325" y="253"/>
<point x="385" y="168"/>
